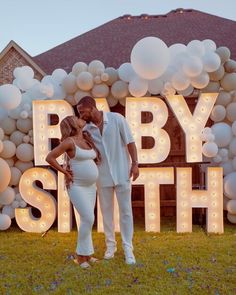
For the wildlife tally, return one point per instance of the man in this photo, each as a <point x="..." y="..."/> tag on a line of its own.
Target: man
<point x="113" y="138"/>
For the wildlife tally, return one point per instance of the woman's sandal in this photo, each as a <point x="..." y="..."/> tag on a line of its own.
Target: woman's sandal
<point x="83" y="265"/>
<point x="93" y="260"/>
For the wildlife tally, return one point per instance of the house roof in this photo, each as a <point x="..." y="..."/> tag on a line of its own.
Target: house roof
<point x="112" y="42"/>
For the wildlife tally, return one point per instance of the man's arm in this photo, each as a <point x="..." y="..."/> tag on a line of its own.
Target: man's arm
<point x="134" y="171"/>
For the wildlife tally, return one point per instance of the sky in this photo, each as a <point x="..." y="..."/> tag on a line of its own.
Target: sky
<point x="38" y="26"/>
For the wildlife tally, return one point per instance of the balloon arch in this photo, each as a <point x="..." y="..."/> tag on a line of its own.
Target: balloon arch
<point x="155" y="69"/>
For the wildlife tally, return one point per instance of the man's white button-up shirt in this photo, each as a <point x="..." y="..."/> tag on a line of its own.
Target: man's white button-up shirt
<point x="112" y="144"/>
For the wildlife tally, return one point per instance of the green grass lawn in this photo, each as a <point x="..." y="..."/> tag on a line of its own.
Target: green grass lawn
<point x="167" y="263"/>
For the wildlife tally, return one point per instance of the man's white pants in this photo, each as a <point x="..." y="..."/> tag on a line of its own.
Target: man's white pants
<point x="106" y="199"/>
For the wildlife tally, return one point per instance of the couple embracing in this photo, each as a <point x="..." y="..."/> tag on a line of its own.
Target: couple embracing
<point x="98" y="146"/>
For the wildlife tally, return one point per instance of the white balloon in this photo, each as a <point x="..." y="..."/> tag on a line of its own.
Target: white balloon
<point x="230" y="185"/>
<point x="193" y="66"/>
<point x="218" y="74"/>
<point x="200" y="81"/>
<point x="223" y="134"/>
<point x="218" y="113"/>
<point x="5" y="221"/>
<point x="15" y="176"/>
<point x="231" y="206"/>
<point x="80" y="94"/>
<point x="232" y="146"/>
<point x="23" y="166"/>
<point x="231" y="217"/>
<point x="8" y="210"/>
<point x="15" y="204"/>
<point x="227" y="167"/>
<point x="25" y="152"/>
<point x="223" y="98"/>
<point x="85" y="81"/>
<point x="24" y="125"/>
<point x="112" y="101"/>
<point x="7" y="196"/>
<point x="175" y="50"/>
<point x="100" y="90"/>
<point x="10" y="96"/>
<point x="228" y="82"/>
<point x="3" y="114"/>
<point x="155" y="86"/>
<point x="231" y="111"/>
<point x="112" y="75"/>
<point x="9" y="149"/>
<point x="209" y="45"/>
<point x="95" y="67"/>
<point x="209" y="149"/>
<point x="186" y="92"/>
<point x="8" y="125"/>
<point x="150" y="57"/>
<point x="17" y="137"/>
<point x="79" y="67"/>
<point x="69" y="84"/>
<point x="138" y="87"/>
<point x="230" y="66"/>
<point x="196" y="47"/>
<point x="119" y="89"/>
<point x="211" y="87"/>
<point x="217" y="159"/>
<point x="211" y="62"/>
<point x="234" y="163"/>
<point x="126" y="72"/>
<point x="223" y="152"/>
<point x="234" y="128"/>
<point x="59" y="75"/>
<point x="224" y="53"/>
<point x="23" y="204"/>
<point x="180" y="81"/>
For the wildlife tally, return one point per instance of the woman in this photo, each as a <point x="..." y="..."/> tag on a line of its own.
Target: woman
<point x="81" y="155"/>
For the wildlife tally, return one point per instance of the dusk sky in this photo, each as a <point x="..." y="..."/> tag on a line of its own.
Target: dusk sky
<point x="38" y="26"/>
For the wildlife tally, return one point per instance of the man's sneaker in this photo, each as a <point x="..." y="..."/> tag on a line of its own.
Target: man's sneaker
<point x="110" y="252"/>
<point x="129" y="257"/>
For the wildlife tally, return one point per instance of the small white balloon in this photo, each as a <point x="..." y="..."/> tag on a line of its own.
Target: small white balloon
<point x="5" y="221"/>
<point x="138" y="87"/>
<point x="231" y="111"/>
<point x="223" y="134"/>
<point x="25" y="152"/>
<point x="209" y="149"/>
<point x="85" y="81"/>
<point x="218" y="113"/>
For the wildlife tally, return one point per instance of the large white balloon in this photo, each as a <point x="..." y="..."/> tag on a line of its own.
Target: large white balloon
<point x="8" y="210"/>
<point x="5" y="221"/>
<point x="69" y="84"/>
<point x="5" y="175"/>
<point x="150" y="57"/>
<point x="59" y="75"/>
<point x="180" y="81"/>
<point x="223" y="134"/>
<point x="10" y="96"/>
<point x="209" y="45"/>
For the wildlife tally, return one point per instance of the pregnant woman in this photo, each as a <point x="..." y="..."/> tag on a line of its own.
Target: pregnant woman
<point x="82" y="157"/>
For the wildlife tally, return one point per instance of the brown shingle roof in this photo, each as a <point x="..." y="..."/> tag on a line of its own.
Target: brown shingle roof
<point x="112" y="42"/>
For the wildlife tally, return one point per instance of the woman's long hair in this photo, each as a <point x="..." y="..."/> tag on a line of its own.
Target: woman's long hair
<point x="69" y="127"/>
